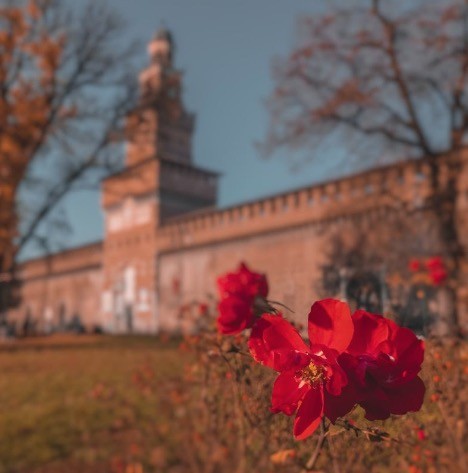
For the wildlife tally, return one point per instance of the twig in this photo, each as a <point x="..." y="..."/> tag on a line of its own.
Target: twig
<point x="311" y="462"/>
<point x="331" y="449"/>
<point x="281" y="305"/>
<point x="371" y="433"/>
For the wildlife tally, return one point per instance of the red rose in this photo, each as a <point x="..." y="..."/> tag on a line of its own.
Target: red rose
<point x="235" y="314"/>
<point x="243" y="282"/>
<point x="414" y="265"/>
<point x="382" y="363"/>
<point x="238" y="292"/>
<point x="421" y="434"/>
<point x="435" y="262"/>
<point x="437" y="270"/>
<point x="438" y="276"/>
<point x="310" y="381"/>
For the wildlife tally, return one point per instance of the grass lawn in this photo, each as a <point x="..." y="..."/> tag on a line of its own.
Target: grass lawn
<point x="83" y="404"/>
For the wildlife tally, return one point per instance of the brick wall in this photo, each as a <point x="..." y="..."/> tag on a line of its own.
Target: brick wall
<point x="58" y="287"/>
<point x="286" y="236"/>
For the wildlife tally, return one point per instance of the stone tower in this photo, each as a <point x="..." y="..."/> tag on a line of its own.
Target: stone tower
<point x="160" y="125"/>
<point x="158" y="182"/>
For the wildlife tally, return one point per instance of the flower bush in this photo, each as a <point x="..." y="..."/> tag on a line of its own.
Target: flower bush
<point x="252" y="400"/>
<point x="350" y="360"/>
<point x="222" y="420"/>
<point x="433" y="269"/>
<point x="360" y="359"/>
<point x="310" y="380"/>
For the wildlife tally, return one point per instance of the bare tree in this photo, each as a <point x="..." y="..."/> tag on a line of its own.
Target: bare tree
<point x="389" y="77"/>
<point x="66" y="85"/>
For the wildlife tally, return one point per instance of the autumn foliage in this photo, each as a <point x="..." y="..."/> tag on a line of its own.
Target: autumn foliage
<point x="29" y="59"/>
<point x="387" y="81"/>
<point x="65" y="90"/>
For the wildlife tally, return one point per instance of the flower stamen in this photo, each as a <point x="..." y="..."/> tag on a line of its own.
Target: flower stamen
<point x="313" y="374"/>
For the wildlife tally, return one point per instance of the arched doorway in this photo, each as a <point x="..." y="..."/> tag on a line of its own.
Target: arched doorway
<point x="417" y="313"/>
<point x="364" y="291"/>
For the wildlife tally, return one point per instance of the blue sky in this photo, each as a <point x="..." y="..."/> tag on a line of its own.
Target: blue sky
<point x="225" y="48"/>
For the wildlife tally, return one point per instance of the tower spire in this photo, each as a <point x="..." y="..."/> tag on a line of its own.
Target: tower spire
<point x="161" y="54"/>
<point x="161" y="47"/>
<point x="160" y="126"/>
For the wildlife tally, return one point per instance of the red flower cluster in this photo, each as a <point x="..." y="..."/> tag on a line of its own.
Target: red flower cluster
<point x="239" y="293"/>
<point x="414" y="265"/>
<point x="434" y="266"/>
<point x="382" y="363"/>
<point x="311" y="379"/>
<point x="437" y="270"/>
<point x="361" y="359"/>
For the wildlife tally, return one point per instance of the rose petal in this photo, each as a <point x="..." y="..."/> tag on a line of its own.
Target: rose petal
<point x="337" y="380"/>
<point x="339" y="406"/>
<point x="376" y="405"/>
<point x="407" y="352"/>
<point x="235" y="315"/>
<point x="370" y="331"/>
<point x="243" y="283"/>
<point x="274" y="342"/>
<point x="288" y="390"/>
<point x="255" y="283"/>
<point x="330" y="324"/>
<point x="407" y="398"/>
<point x="309" y="414"/>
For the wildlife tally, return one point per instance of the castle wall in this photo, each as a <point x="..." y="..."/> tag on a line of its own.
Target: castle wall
<point x="320" y="204"/>
<point x="288" y="237"/>
<point x="291" y="258"/>
<point x="152" y="270"/>
<point x="128" y="268"/>
<point x="59" y="287"/>
<point x="462" y="225"/>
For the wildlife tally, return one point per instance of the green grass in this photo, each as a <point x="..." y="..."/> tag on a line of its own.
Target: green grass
<point x="86" y="405"/>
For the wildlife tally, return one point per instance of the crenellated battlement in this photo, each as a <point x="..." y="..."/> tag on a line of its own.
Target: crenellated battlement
<point x="403" y="183"/>
<point x="69" y="261"/>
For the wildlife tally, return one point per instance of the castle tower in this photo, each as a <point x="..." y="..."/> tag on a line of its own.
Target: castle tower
<point x="160" y="128"/>
<point x="160" y="125"/>
<point x="159" y="181"/>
